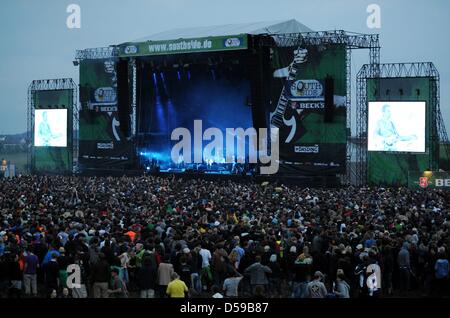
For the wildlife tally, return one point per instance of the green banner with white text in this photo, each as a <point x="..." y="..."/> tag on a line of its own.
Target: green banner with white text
<point x="206" y="44"/>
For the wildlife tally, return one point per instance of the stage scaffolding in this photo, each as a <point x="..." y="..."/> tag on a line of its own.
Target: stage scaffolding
<point x="351" y="40"/>
<point x="52" y="84"/>
<point x="398" y="70"/>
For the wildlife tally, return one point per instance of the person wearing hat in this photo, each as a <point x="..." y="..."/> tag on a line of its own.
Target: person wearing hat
<point x="316" y="288"/>
<point x="118" y="287"/>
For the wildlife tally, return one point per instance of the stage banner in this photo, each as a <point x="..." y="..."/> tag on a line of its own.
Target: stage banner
<point x="205" y="44"/>
<point x="102" y="144"/>
<point x="52" y="144"/>
<point x="391" y="168"/>
<point x="312" y="139"/>
<point x="429" y="180"/>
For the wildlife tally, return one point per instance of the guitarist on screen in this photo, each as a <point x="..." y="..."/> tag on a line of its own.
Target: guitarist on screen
<point x="386" y="132"/>
<point x="45" y="132"/>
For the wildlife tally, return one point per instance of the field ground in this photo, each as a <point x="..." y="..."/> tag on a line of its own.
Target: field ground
<point x="17" y="158"/>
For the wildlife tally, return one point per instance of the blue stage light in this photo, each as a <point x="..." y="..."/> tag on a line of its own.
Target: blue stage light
<point x="179" y="75"/>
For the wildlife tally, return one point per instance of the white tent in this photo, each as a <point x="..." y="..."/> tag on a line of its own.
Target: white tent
<point x="273" y="27"/>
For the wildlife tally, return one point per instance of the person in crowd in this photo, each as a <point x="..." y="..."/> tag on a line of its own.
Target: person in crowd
<point x="258" y="274"/>
<point x="176" y="288"/>
<point x="118" y="287"/>
<point x="15" y="276"/>
<point x="342" y="288"/>
<point x="164" y="276"/>
<point x="52" y="274"/>
<point x="404" y="266"/>
<point x="206" y="274"/>
<point x="442" y="271"/>
<point x="146" y="278"/>
<point x="30" y="272"/>
<point x="100" y="277"/>
<point x="231" y="285"/>
<point x="316" y="288"/>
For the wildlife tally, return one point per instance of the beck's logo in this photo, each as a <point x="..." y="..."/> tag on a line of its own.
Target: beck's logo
<point x="423" y="182"/>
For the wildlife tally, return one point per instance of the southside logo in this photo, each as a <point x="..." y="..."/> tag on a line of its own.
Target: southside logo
<point x="232" y="42"/>
<point x="423" y="182"/>
<point x="131" y="49"/>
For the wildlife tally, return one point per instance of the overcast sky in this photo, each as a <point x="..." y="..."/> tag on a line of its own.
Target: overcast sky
<point x="36" y="43"/>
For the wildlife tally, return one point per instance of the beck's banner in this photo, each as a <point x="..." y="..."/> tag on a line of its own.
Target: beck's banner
<point x="206" y="44"/>
<point x="429" y="180"/>
<point x="102" y="144"/>
<point x="312" y="139"/>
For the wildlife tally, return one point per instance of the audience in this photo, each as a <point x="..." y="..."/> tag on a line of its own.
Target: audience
<point x="162" y="236"/>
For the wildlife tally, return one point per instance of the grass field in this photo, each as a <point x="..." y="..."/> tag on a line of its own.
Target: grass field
<point x="17" y="158"/>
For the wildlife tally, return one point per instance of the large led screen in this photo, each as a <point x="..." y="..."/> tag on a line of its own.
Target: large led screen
<point x="50" y="128"/>
<point x="397" y="126"/>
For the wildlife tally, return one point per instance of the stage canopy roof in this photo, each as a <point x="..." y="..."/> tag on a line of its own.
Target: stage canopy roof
<point x="272" y="27"/>
<point x="207" y="39"/>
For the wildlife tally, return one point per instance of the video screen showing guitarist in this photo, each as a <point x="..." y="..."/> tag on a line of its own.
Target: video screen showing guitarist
<point x="386" y="132"/>
<point x="45" y="133"/>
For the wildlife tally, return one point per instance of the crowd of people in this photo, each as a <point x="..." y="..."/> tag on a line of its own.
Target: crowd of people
<point x="150" y="237"/>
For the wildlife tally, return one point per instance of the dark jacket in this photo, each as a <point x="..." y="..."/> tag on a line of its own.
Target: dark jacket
<point x="258" y="274"/>
<point x="51" y="274"/>
<point x="101" y="272"/>
<point x="146" y="277"/>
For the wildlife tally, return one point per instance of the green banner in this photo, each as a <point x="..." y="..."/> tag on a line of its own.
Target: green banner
<point x="102" y="143"/>
<point x="312" y="139"/>
<point x="429" y="180"/>
<point x="205" y="44"/>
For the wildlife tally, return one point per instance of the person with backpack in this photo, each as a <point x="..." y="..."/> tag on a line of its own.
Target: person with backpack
<point x="441" y="271"/>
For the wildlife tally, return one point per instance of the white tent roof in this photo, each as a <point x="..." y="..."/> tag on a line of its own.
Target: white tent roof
<point x="273" y="27"/>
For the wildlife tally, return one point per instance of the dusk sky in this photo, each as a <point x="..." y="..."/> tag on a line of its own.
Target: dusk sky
<point x="37" y="44"/>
